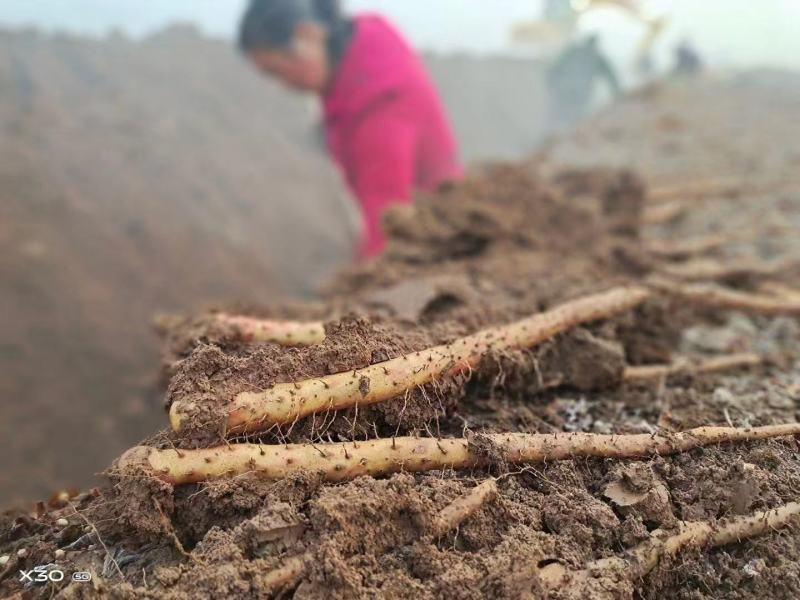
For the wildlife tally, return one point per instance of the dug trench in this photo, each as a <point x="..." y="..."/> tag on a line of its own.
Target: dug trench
<point x="508" y="243"/>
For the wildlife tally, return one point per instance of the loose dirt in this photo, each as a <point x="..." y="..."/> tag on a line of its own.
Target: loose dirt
<point x="509" y="241"/>
<point x="121" y="162"/>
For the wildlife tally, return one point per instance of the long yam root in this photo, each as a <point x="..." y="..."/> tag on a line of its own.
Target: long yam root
<point x="714" y="296"/>
<point x="347" y="460"/>
<point x="680" y="248"/>
<point x="287" y="402"/>
<point x="646" y="556"/>
<point x="712" y="365"/>
<point x="720" y="187"/>
<point x="780" y="290"/>
<point x="671" y="201"/>
<point x="462" y="508"/>
<point x="712" y="270"/>
<point x="694" y="189"/>
<point x="664" y="213"/>
<point x="285" y="333"/>
<point x="674" y="249"/>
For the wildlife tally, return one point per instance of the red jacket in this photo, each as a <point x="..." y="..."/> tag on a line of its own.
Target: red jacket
<point x="385" y="124"/>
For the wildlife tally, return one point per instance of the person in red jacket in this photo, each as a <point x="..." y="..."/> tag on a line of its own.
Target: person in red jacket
<point x="384" y="122"/>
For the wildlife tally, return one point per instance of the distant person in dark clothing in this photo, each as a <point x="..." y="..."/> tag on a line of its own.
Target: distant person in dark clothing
<point x="572" y="78"/>
<point x="687" y="61"/>
<point x="646" y="66"/>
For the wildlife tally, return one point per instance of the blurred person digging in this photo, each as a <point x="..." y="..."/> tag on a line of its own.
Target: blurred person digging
<point x="384" y="122"/>
<point x="572" y="78"/>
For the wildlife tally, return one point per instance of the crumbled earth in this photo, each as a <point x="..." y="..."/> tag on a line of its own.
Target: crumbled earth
<point x="471" y="256"/>
<point x="141" y="175"/>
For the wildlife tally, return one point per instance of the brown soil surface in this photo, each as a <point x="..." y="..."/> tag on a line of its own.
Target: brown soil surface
<point x="133" y="180"/>
<point x="509" y="241"/>
<point x="138" y="177"/>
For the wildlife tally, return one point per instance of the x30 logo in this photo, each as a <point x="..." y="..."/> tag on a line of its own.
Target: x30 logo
<point x="46" y="574"/>
<point x="41" y="574"/>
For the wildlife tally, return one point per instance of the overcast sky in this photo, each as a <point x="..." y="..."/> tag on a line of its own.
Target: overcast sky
<point x="730" y="32"/>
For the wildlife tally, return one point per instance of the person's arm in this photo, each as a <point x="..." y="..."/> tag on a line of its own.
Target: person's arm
<point x="381" y="161"/>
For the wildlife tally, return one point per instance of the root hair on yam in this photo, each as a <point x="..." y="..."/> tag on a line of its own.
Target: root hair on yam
<point x="286" y="403"/>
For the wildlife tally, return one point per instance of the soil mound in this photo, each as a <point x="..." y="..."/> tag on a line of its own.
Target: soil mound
<point x="454" y="510"/>
<point x="138" y="177"/>
<point x="134" y="180"/>
<point x="475" y="255"/>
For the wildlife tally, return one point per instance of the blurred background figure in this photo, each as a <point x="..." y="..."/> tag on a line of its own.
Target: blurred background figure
<point x="572" y="80"/>
<point x="384" y="122"/>
<point x="687" y="60"/>
<point x="645" y="66"/>
<point x="559" y="11"/>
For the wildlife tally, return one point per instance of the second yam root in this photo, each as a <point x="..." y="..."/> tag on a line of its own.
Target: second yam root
<point x="285" y="403"/>
<point x="347" y="460"/>
<point x="463" y="507"/>
<point x="284" y="333"/>
<point x="717" y="364"/>
<point x="646" y="556"/>
<point x="713" y="296"/>
<point x="713" y="270"/>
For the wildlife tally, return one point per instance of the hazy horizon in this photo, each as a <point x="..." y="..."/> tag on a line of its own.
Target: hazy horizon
<point x="730" y="33"/>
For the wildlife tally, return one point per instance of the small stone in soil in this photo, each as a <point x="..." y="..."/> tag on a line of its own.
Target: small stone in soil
<point x="723" y="397"/>
<point x="753" y="568"/>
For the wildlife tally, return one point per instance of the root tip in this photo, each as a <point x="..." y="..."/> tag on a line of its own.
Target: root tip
<point x="137" y="458"/>
<point x="176" y="417"/>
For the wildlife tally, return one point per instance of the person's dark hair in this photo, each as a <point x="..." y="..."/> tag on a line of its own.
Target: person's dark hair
<point x="271" y="23"/>
<point x="328" y="11"/>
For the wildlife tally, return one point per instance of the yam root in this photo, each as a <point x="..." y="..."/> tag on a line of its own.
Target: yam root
<point x="664" y="213"/>
<point x="719" y="187"/>
<point x="347" y="460"/>
<point x="668" y="202"/>
<point x="714" y="296"/>
<point x="680" y="248"/>
<point x="780" y="290"/>
<point x="675" y="249"/>
<point x="285" y="333"/>
<point x="289" y="572"/>
<point x="287" y="402"/>
<point x="695" y="189"/>
<point x="713" y="270"/>
<point x="646" y="556"/>
<point x="464" y="507"/>
<point x="712" y="365"/>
